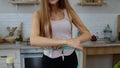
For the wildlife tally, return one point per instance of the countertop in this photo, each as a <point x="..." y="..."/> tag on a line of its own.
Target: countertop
<point x="86" y="44"/>
<point x="100" y="44"/>
<point x="16" y="46"/>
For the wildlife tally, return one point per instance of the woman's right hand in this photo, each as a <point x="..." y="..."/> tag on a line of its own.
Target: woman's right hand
<point x="74" y="44"/>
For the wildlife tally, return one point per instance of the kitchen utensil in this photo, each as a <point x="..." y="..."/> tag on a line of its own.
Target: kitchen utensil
<point x="11" y="30"/>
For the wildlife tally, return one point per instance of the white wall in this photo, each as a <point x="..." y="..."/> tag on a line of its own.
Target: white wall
<point x="94" y="17"/>
<point x="14" y="19"/>
<point x="112" y="6"/>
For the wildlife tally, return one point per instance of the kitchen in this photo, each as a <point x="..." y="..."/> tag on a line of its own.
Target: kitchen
<point x="95" y="18"/>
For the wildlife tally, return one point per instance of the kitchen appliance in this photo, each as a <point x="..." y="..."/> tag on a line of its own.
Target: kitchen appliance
<point x="31" y="58"/>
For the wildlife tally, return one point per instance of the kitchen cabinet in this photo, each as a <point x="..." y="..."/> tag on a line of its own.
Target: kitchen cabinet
<point x="10" y="53"/>
<point x="18" y="2"/>
<point x="102" y="50"/>
<point x="25" y="2"/>
<point x="91" y="3"/>
<point x="3" y="65"/>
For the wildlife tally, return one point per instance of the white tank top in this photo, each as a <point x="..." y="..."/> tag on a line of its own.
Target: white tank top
<point x="61" y="30"/>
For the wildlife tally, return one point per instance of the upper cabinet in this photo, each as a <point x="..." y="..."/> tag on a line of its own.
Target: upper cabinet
<point x="24" y="2"/>
<point x="91" y="3"/>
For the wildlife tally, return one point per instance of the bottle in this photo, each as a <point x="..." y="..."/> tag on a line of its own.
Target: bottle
<point x="107" y="32"/>
<point x="97" y="35"/>
<point x="119" y="36"/>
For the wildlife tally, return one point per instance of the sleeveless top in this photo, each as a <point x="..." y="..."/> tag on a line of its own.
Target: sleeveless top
<point x="61" y="30"/>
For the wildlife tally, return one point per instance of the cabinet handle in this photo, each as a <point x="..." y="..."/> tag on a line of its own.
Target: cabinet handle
<point x="3" y="56"/>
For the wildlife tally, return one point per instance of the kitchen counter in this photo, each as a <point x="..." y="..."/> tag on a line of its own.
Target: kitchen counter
<point x="90" y="48"/>
<point x="86" y="44"/>
<point x="99" y="48"/>
<point x="15" y="46"/>
<point x="100" y="44"/>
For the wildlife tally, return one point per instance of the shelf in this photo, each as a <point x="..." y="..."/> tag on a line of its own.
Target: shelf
<point x="24" y="2"/>
<point x="89" y="4"/>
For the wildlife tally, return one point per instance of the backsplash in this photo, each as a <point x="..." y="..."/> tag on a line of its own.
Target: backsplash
<point x="15" y="20"/>
<point x="94" y="22"/>
<point x="97" y="22"/>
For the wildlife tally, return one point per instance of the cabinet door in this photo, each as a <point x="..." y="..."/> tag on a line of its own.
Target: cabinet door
<point x="3" y="60"/>
<point x="17" y="65"/>
<point x="3" y="66"/>
<point x="10" y="53"/>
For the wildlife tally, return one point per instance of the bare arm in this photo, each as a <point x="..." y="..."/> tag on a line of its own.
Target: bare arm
<point x="75" y="42"/>
<point x="79" y="24"/>
<point x="37" y="40"/>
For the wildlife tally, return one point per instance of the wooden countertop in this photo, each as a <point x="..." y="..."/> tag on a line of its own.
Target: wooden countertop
<point x="100" y="44"/>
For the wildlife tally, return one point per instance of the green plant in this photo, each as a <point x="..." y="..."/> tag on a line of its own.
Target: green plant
<point x="17" y="39"/>
<point x="117" y="65"/>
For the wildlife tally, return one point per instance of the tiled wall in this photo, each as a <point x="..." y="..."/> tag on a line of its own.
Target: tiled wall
<point x="97" y="22"/>
<point x="13" y="20"/>
<point x="94" y="22"/>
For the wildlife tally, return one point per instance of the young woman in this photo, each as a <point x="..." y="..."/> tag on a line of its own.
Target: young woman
<point x="52" y="30"/>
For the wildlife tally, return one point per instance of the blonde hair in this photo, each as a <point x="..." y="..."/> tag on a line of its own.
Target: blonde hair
<point x="45" y="25"/>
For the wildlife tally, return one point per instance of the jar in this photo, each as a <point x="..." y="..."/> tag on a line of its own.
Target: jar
<point x="107" y="32"/>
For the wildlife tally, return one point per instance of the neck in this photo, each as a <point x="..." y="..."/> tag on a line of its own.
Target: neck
<point x="54" y="8"/>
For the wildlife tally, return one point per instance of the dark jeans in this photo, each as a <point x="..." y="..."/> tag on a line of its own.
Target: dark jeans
<point x="69" y="62"/>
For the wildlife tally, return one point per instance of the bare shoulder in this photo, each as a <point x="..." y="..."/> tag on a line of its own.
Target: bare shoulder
<point x="36" y="13"/>
<point x="75" y="15"/>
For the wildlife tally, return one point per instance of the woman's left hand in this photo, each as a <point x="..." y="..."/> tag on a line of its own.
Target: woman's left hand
<point x="75" y="44"/>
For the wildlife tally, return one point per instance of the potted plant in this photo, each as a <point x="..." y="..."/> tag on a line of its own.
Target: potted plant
<point x="18" y="40"/>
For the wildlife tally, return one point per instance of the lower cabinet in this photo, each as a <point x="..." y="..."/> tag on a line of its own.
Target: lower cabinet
<point x="15" y="53"/>
<point x="17" y="65"/>
<point x="3" y="66"/>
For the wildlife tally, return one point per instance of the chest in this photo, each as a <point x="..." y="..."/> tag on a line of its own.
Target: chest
<point x="63" y="25"/>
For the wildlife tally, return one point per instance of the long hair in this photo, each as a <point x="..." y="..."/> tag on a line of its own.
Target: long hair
<point x="45" y="24"/>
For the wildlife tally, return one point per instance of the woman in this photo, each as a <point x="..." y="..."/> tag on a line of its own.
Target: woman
<point x="52" y="30"/>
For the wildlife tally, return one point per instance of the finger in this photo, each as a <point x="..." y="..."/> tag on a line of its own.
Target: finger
<point x="58" y="47"/>
<point x="80" y="48"/>
<point x="54" y="48"/>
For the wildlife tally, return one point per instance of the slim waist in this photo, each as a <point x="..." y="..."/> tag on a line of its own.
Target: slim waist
<point x="61" y="48"/>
